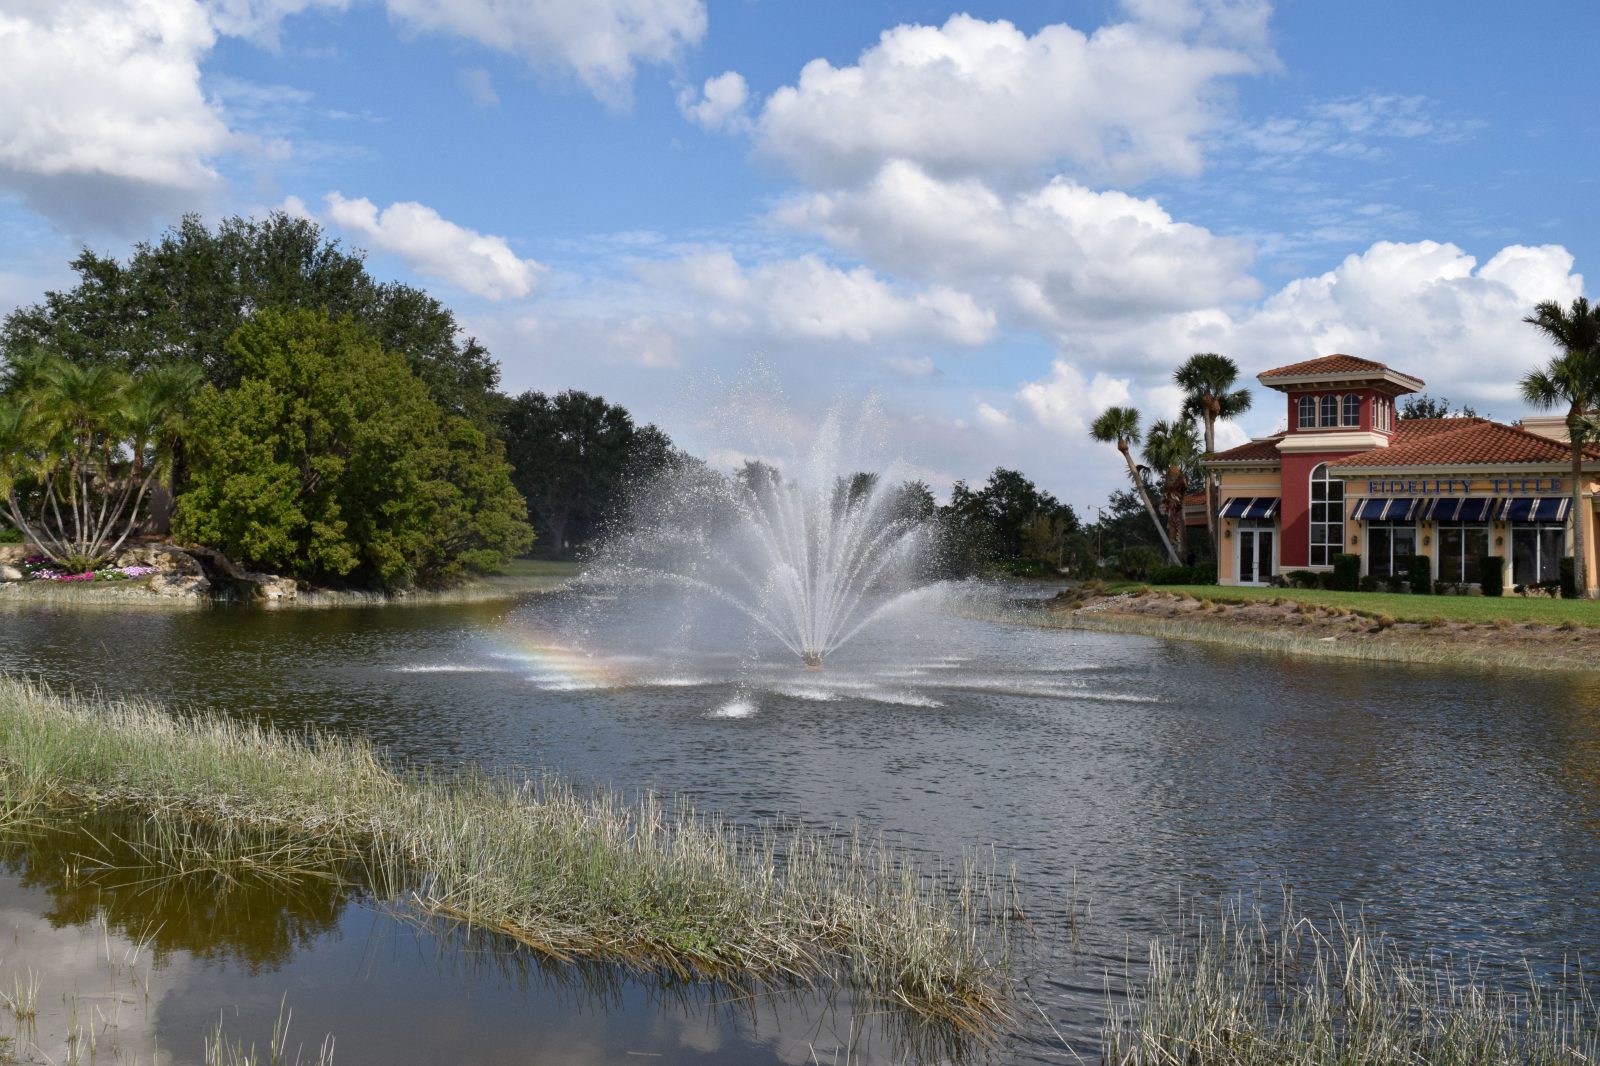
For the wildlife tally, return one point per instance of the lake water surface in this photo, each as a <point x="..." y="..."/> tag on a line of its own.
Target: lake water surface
<point x="1458" y="808"/>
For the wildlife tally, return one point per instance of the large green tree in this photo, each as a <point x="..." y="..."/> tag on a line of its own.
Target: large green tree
<point x="330" y="460"/>
<point x="575" y="458"/>
<point x="1207" y="380"/>
<point x="1571" y="380"/>
<point x="1008" y="520"/>
<point x="81" y="447"/>
<point x="180" y="298"/>
<point x="1120" y="426"/>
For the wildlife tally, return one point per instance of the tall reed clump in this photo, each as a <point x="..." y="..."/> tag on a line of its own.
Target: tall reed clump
<point x="1245" y="991"/>
<point x="568" y="873"/>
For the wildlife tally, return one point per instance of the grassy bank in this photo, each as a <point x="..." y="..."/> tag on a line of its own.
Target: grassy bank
<point x="1402" y="607"/>
<point x="1426" y="629"/>
<point x="1268" y="640"/>
<point x="519" y="577"/>
<point x="1242" y="990"/>
<point x="566" y="873"/>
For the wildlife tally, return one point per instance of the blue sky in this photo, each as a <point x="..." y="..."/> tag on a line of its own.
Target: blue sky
<point x="996" y="218"/>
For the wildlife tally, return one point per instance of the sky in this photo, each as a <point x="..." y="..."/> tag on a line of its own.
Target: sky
<point x="994" y="219"/>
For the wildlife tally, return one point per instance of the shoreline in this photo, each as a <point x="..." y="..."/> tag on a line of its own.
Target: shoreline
<point x="1284" y="626"/>
<point x="138" y="593"/>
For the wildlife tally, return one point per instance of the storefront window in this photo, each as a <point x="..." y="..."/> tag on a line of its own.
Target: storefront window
<point x="1389" y="546"/>
<point x="1352" y="410"/>
<point x="1536" y="553"/>
<point x="1327" y="516"/>
<point x="1460" y="548"/>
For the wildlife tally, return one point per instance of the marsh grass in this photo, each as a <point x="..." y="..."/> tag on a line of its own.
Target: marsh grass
<point x="1245" y="990"/>
<point x="571" y="874"/>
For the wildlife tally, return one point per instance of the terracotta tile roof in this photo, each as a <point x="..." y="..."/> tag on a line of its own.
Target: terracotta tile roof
<point x="1461" y="442"/>
<point x="1256" y="451"/>
<point x="1326" y="364"/>
<point x="1412" y="429"/>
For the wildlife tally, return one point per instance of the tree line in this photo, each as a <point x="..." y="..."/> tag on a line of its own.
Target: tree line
<point x="257" y="388"/>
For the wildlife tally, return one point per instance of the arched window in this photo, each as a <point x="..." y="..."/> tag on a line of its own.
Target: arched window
<point x="1308" y="412"/>
<point x="1330" y="411"/>
<point x="1352" y="410"/>
<point x="1327" y="516"/>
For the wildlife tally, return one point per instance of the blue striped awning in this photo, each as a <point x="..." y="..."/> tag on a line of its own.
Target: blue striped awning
<point x="1250" y="507"/>
<point x="1383" y="509"/>
<point x="1461" y="509"/>
<point x="1531" y="509"/>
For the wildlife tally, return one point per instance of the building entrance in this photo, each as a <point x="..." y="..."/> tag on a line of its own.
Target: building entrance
<point x="1258" y="555"/>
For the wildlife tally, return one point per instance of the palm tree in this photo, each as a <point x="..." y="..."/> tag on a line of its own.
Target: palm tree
<point x="1571" y="378"/>
<point x="1120" y="426"/>
<point x="81" y="447"/>
<point x="1207" y="382"/>
<point x="1174" y="450"/>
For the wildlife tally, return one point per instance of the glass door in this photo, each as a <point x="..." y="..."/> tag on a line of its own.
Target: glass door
<point x="1247" y="556"/>
<point x="1255" y="555"/>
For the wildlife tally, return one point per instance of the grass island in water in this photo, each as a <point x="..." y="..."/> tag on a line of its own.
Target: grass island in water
<point x="572" y="875"/>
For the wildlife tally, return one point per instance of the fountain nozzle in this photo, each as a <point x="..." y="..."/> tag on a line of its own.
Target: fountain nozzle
<point x="812" y="660"/>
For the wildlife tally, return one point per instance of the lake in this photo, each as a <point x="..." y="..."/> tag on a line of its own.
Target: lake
<point x="1124" y="776"/>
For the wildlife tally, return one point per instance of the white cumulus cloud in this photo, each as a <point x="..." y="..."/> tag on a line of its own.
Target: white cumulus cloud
<point x="973" y="97"/>
<point x="1426" y="308"/>
<point x="104" y="122"/>
<point x="435" y="246"/>
<point x="1066" y="401"/>
<point x="720" y="104"/>
<point x="1059" y="256"/>
<point x="810" y="299"/>
<point x="599" y="41"/>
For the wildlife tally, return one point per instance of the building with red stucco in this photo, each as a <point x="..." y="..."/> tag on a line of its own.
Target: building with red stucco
<point x="1350" y="475"/>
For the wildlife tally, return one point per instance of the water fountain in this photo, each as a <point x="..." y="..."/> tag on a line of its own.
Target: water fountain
<point x="810" y="559"/>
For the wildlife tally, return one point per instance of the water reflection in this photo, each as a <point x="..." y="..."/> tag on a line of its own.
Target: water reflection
<point x="146" y="961"/>
<point x="90" y="872"/>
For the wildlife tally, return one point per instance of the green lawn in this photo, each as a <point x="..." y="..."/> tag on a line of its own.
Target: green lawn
<point x="541" y="568"/>
<point x="1404" y="608"/>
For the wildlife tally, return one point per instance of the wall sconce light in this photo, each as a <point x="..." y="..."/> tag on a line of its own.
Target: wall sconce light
<point x="1426" y="541"/>
<point x="1227" y="533"/>
<point x="1354" y="539"/>
<point x="1499" y="542"/>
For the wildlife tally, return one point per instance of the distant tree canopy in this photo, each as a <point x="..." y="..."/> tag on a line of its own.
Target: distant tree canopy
<point x="179" y="300"/>
<point x="1422" y="405"/>
<point x="574" y="458"/>
<point x="328" y="459"/>
<point x="1009" y="521"/>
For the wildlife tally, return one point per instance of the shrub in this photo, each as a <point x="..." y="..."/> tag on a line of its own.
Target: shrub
<point x="1199" y="574"/>
<point x="1346" y="572"/>
<point x="1138" y="560"/>
<point x="1419" y="572"/>
<point x="1492" y="574"/>
<point x="1302" y="579"/>
<point x="1325" y="581"/>
<point x="1369" y="583"/>
<point x="1569" y="579"/>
